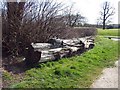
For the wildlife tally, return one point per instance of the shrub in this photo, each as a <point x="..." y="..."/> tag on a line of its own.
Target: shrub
<point x="70" y="33"/>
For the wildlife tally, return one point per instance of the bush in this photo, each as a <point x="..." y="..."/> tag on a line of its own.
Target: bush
<point x="21" y="26"/>
<point x="70" y="33"/>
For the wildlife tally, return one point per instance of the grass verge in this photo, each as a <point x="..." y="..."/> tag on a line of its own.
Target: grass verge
<point x="109" y="32"/>
<point x="74" y="72"/>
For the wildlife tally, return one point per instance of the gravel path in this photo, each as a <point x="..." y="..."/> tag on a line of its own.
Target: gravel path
<point x="109" y="78"/>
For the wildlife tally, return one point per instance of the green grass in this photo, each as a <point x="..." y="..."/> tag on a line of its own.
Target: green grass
<point x="109" y="32"/>
<point x="74" y="72"/>
<point x="6" y="76"/>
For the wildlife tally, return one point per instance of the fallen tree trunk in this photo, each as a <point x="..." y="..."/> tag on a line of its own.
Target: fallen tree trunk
<point x="32" y="57"/>
<point x="57" y="49"/>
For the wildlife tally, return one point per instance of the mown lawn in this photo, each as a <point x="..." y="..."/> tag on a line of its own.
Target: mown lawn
<point x="109" y="32"/>
<point x="74" y="72"/>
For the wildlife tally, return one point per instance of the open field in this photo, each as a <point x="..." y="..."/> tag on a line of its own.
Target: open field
<point x="74" y="72"/>
<point x="109" y="32"/>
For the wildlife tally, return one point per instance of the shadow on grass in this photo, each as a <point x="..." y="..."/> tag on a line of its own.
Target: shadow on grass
<point x="17" y="67"/>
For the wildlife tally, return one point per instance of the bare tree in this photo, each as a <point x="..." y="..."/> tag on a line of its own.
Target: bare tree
<point x="73" y="19"/>
<point x="42" y="20"/>
<point x="106" y="12"/>
<point x="27" y="22"/>
<point x="12" y="13"/>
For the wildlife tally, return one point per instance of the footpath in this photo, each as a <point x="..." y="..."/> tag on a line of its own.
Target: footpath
<point x="109" y="78"/>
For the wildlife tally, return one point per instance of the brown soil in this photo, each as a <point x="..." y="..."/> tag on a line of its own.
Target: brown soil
<point x="16" y="70"/>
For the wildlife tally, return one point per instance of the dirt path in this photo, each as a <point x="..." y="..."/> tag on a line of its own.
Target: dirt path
<point x="109" y="78"/>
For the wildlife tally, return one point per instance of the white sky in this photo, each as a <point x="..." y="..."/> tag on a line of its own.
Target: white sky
<point x="91" y="8"/>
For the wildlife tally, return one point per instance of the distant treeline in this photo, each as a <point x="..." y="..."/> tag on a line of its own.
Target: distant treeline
<point x="110" y="26"/>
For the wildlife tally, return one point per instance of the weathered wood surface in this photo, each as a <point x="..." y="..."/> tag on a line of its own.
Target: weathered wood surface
<point x="59" y="48"/>
<point x="32" y="57"/>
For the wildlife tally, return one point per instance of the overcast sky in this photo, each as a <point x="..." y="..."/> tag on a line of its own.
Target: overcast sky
<point x="91" y="8"/>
